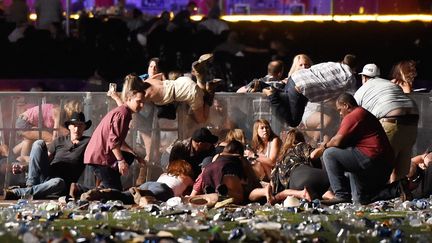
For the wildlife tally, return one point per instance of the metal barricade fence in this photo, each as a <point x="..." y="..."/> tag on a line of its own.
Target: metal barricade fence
<point x="151" y="135"/>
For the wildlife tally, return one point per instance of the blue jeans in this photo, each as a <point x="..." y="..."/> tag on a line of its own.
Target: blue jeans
<point x="39" y="183"/>
<point x="366" y="176"/>
<point x="289" y="104"/>
<point x="38" y="170"/>
<point x="53" y="186"/>
<point x="160" y="191"/>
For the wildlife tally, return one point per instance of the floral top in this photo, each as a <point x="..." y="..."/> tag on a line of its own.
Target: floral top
<point x="295" y="156"/>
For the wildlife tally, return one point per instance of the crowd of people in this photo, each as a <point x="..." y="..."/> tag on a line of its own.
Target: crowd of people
<point x="361" y="153"/>
<point x="367" y="158"/>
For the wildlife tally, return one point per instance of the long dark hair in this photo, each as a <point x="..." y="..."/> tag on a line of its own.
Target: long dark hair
<point x="294" y="136"/>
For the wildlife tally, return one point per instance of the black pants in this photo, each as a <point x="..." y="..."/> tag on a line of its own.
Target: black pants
<point x="110" y="177"/>
<point x="314" y="179"/>
<point x="424" y="189"/>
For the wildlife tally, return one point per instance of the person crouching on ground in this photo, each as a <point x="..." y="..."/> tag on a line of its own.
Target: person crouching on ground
<point x="107" y="154"/>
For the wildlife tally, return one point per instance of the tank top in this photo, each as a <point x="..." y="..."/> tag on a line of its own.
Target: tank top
<point x="173" y="182"/>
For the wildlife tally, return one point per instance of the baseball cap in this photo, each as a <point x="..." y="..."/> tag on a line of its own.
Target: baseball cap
<point x="204" y="135"/>
<point x="370" y="70"/>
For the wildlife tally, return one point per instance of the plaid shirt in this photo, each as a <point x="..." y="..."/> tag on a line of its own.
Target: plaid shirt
<point x="324" y="81"/>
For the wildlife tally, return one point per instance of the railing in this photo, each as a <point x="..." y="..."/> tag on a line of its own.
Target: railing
<point x="151" y="135"/>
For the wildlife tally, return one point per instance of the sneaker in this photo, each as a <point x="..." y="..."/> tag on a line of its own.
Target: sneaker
<point x="9" y="194"/>
<point x="335" y="200"/>
<point x="205" y="57"/>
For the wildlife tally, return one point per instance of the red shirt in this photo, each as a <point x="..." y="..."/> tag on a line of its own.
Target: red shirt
<point x="110" y="132"/>
<point x="362" y="130"/>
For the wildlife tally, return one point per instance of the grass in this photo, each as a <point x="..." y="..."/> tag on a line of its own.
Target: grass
<point x="362" y="226"/>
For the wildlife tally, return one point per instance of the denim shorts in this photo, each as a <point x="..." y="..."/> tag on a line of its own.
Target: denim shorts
<point x="22" y="123"/>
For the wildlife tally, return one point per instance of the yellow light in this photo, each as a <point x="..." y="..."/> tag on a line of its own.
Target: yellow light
<point x="33" y="17"/>
<point x="356" y="18"/>
<point x="361" y="10"/>
<point x="90" y="14"/>
<point x="405" y="18"/>
<point x="74" y="16"/>
<point x="323" y="18"/>
<point x="196" y="17"/>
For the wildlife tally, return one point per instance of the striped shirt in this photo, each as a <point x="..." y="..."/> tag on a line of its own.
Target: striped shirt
<point x="324" y="81"/>
<point x="380" y="96"/>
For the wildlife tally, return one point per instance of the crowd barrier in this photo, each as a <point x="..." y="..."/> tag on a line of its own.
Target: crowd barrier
<point x="150" y="135"/>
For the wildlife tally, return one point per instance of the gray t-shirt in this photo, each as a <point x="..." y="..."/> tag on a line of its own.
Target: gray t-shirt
<point x="380" y="96"/>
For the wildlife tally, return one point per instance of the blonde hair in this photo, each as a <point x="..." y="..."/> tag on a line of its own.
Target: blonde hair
<point x="236" y="134"/>
<point x="257" y="143"/>
<point x="296" y="63"/>
<point x="132" y="84"/>
<point x="72" y="106"/>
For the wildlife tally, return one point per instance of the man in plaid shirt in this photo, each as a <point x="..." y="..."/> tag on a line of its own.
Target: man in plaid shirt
<point x="320" y="82"/>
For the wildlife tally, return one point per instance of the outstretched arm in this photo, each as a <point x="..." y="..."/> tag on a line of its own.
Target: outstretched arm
<point x="280" y="102"/>
<point x="115" y="97"/>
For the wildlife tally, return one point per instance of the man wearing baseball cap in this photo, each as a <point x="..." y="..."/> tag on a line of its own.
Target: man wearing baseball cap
<point x="397" y="112"/>
<point x="370" y="70"/>
<point x="195" y="149"/>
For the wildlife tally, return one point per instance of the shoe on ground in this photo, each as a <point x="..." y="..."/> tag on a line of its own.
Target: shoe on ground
<point x="10" y="195"/>
<point x="75" y="191"/>
<point x="335" y="200"/>
<point x="92" y="195"/>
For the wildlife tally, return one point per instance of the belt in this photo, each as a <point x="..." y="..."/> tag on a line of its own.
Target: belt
<point x="402" y="120"/>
